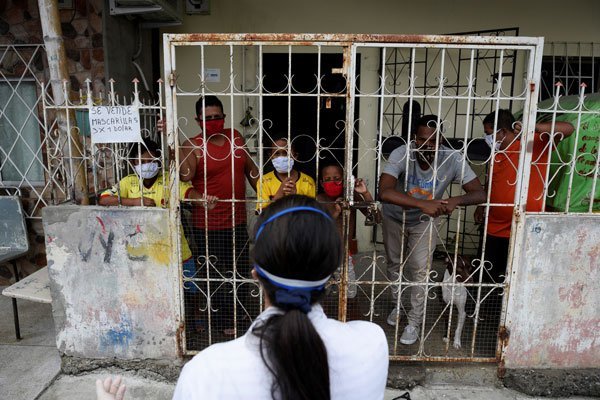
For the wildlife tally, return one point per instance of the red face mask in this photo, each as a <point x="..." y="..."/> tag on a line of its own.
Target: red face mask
<point x="333" y="188"/>
<point x="213" y="127"/>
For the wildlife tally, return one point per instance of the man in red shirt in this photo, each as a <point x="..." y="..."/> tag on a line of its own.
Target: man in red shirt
<point x="217" y="161"/>
<point x="506" y="144"/>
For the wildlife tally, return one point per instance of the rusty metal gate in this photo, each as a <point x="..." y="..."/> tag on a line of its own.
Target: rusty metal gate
<point x="320" y="101"/>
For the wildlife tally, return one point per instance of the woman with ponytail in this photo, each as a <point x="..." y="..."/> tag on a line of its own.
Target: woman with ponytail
<point x="293" y="351"/>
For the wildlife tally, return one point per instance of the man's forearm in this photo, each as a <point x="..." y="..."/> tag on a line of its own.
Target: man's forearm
<point x="187" y="166"/>
<point x="471" y="198"/>
<point x="400" y="199"/>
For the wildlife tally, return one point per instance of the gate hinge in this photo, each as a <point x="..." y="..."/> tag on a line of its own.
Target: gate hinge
<point x="172" y="79"/>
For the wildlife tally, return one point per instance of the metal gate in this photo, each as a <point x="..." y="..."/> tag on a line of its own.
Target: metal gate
<point x="321" y="99"/>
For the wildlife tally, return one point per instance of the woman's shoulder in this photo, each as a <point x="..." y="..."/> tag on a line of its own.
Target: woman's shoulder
<point x="219" y="371"/>
<point x="353" y="333"/>
<point x="358" y="354"/>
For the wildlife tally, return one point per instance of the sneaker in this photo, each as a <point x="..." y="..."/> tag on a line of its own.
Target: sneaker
<point x="410" y="335"/>
<point x="393" y="317"/>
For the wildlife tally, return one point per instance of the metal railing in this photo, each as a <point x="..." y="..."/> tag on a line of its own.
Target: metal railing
<point x="333" y="113"/>
<point x="325" y="97"/>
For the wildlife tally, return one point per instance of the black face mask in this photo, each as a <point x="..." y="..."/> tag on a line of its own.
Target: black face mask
<point x="426" y="155"/>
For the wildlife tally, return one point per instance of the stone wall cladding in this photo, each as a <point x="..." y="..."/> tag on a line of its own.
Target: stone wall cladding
<point x="82" y="34"/>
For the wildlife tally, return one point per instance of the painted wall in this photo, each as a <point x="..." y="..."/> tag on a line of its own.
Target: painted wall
<point x="553" y="315"/>
<point x="114" y="282"/>
<point x="552" y="19"/>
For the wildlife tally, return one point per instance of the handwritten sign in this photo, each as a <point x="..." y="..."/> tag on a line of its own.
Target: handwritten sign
<point x="115" y="124"/>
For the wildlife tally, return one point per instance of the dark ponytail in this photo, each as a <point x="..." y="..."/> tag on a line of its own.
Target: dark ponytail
<point x="301" y="245"/>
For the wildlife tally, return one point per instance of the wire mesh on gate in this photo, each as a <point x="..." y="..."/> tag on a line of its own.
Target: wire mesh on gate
<point x="320" y="105"/>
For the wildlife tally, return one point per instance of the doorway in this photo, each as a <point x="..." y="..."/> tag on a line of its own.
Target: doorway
<point x="314" y="119"/>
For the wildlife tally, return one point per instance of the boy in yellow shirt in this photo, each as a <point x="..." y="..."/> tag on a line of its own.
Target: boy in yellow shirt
<point x="284" y="180"/>
<point x="153" y="192"/>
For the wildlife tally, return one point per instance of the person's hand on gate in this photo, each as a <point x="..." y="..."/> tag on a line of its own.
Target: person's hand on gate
<point x="161" y="126"/>
<point x="450" y="204"/>
<point x="360" y="186"/>
<point x="148" y="202"/>
<point x="433" y="208"/>
<point x="337" y="208"/>
<point x="280" y="193"/>
<point x="479" y="215"/>
<point x="109" y="389"/>
<point x="211" y="201"/>
<point x="289" y="186"/>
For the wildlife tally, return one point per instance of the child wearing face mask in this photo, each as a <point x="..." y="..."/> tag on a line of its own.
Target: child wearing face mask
<point x="153" y="191"/>
<point x="284" y="180"/>
<point x="332" y="183"/>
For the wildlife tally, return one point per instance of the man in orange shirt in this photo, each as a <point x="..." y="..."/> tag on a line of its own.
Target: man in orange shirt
<point x="506" y="148"/>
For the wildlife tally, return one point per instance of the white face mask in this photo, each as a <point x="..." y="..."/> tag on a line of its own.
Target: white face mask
<point x="283" y="164"/>
<point x="147" y="170"/>
<point x="489" y="139"/>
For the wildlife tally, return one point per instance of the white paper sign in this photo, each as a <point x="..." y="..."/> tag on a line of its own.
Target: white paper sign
<point x="118" y="124"/>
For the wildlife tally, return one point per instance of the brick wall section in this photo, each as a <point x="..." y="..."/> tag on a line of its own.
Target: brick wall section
<point x="82" y="33"/>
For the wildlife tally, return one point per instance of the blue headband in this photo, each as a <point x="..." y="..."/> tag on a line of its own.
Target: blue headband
<point x="287" y="211"/>
<point x="292" y="293"/>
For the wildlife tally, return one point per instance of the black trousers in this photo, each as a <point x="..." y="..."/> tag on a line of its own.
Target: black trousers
<point x="496" y="255"/>
<point x="496" y="260"/>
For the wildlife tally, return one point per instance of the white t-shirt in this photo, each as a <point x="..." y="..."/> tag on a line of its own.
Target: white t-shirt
<point x="357" y="353"/>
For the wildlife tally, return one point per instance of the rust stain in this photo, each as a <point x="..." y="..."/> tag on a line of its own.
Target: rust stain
<point x="179" y="337"/>
<point x="443" y="359"/>
<point x="344" y="39"/>
<point x="594" y="254"/>
<point x="504" y="335"/>
<point x="566" y="343"/>
<point x="501" y="370"/>
<point x="573" y="294"/>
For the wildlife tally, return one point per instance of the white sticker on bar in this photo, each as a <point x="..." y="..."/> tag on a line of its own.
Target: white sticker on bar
<point x="115" y="124"/>
<point x="212" y="75"/>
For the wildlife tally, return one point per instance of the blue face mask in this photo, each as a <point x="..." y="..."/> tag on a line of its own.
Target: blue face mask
<point x="147" y="170"/>
<point x="283" y="164"/>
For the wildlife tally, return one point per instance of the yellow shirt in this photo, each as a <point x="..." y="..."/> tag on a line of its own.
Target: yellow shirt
<point x="129" y="188"/>
<point x="270" y="183"/>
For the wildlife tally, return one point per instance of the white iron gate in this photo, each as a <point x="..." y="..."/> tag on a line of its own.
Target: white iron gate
<point x="323" y="98"/>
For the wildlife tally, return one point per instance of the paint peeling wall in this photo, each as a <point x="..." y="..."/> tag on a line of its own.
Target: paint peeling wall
<point x="553" y="311"/>
<point x="114" y="282"/>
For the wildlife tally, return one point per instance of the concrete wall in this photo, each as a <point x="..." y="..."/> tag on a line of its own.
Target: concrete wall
<point x="553" y="315"/>
<point x="114" y="282"/>
<point x="549" y="18"/>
